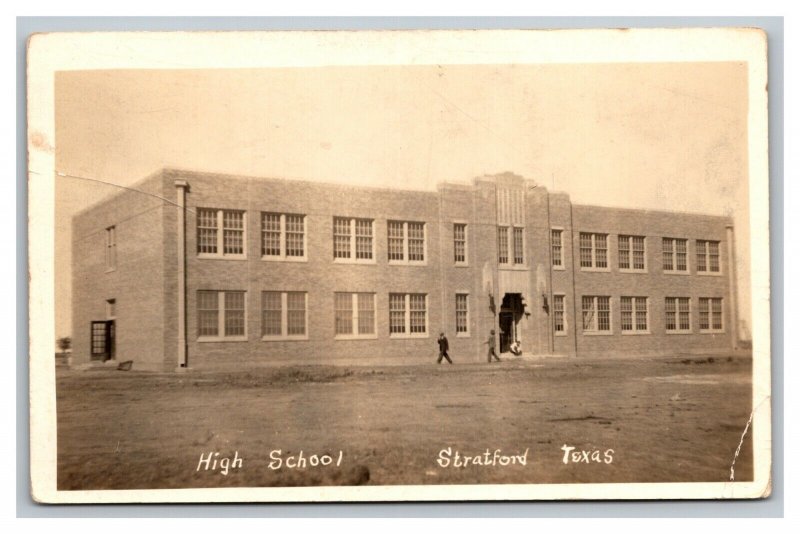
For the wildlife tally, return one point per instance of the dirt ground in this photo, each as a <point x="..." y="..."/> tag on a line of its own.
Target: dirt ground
<point x="676" y="419"/>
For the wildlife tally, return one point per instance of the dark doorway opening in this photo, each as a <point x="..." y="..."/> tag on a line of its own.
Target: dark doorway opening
<point x="511" y="311"/>
<point x="102" y="340"/>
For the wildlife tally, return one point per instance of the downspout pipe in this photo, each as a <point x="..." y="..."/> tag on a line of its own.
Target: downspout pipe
<point x="181" y="188"/>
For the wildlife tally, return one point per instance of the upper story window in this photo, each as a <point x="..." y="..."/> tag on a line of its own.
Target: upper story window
<point x="221" y="315"/>
<point x="510" y="248"/>
<point x="111" y="248"/>
<point x="674" y="255"/>
<point x="594" y="251"/>
<point x="707" y="256"/>
<point x="283" y="236"/>
<point x="631" y="252"/>
<point x="220" y="233"/>
<point x="460" y="243"/>
<point x="353" y="239"/>
<point x="557" y="247"/>
<point x="111" y="309"/>
<point x="406" y="240"/>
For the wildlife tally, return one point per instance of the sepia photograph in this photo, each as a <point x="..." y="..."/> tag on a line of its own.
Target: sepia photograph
<point x="371" y="266"/>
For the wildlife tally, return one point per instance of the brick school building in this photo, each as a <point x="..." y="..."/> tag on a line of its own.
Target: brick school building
<point x="203" y="270"/>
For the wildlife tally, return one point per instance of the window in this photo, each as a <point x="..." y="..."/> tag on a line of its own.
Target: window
<point x="710" y="314"/>
<point x="354" y="315"/>
<point x="283" y="314"/>
<point x="502" y="244"/>
<point x="594" y="250"/>
<point x="460" y="242"/>
<point x="559" y="320"/>
<point x="557" y="247"/>
<point x="352" y="239"/>
<point x="677" y="314"/>
<point x="111" y="248"/>
<point x="674" y="254"/>
<point x="707" y="256"/>
<point x="406" y="241"/>
<point x="596" y="314"/>
<point x="631" y="252"/>
<point x="111" y="309"/>
<point x="633" y="314"/>
<point x="462" y="313"/>
<point x="512" y="249"/>
<point x="408" y="314"/>
<point x="519" y="256"/>
<point x="283" y="236"/>
<point x="227" y="243"/>
<point x="221" y="315"/>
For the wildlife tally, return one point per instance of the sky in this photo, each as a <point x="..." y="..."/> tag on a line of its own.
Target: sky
<point x="670" y="136"/>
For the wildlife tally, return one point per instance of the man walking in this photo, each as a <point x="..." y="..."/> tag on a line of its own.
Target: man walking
<point x="444" y="346"/>
<point x="491" y="344"/>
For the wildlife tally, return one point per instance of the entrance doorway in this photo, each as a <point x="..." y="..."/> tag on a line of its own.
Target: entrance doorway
<point x="102" y="340"/>
<point x="510" y="314"/>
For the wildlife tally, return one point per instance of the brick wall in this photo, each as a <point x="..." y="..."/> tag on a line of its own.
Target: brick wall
<point x="137" y="282"/>
<point x="145" y="282"/>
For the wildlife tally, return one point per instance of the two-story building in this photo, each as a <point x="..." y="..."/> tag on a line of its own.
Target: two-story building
<point x="204" y="270"/>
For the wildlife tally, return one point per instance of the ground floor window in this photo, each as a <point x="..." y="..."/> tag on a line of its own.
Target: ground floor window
<point x="677" y="314"/>
<point x="559" y="321"/>
<point x="633" y="314"/>
<point x="408" y="315"/>
<point x="710" y="314"/>
<point x="354" y="315"/>
<point x="284" y="314"/>
<point x="221" y="314"/>
<point x="596" y="313"/>
<point x="462" y="313"/>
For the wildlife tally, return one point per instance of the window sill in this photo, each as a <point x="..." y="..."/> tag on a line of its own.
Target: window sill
<point x="596" y="269"/>
<point x="712" y="331"/>
<point x="633" y="271"/>
<point x="679" y="273"/>
<point x="559" y="334"/>
<point x="348" y="261"/>
<point x="559" y="268"/>
<point x="708" y="273"/>
<point x="287" y="259"/>
<point x="678" y="332"/>
<point x="409" y="263"/>
<point x="462" y="334"/>
<point x="461" y="264"/>
<point x="598" y="333"/>
<point x="228" y="339"/>
<point x="284" y="338"/>
<point x="409" y="336"/>
<point x="354" y="337"/>
<point x="512" y="266"/>
<point x="236" y="257"/>
<point x="635" y="332"/>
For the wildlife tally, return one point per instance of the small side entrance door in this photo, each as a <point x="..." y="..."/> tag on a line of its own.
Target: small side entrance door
<point x="102" y="340"/>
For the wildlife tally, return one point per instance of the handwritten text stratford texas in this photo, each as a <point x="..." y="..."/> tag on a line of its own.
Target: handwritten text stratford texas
<point x="446" y="458"/>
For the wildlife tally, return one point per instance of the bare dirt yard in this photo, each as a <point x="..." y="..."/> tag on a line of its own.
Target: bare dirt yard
<point x="676" y="419"/>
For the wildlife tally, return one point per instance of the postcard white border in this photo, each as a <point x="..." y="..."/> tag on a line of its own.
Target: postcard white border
<point x="48" y="53"/>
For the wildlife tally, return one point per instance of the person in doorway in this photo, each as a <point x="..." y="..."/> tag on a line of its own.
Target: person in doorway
<point x="491" y="342"/>
<point x="444" y="346"/>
